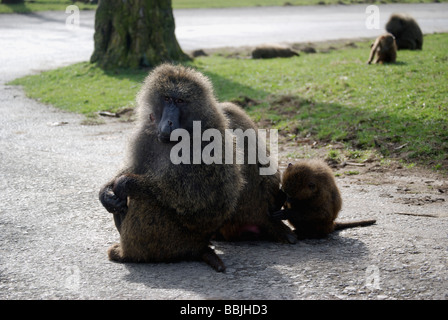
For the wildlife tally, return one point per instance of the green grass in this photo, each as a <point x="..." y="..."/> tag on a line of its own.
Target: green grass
<point x="47" y="5"/>
<point x="400" y="110"/>
<point x="84" y="88"/>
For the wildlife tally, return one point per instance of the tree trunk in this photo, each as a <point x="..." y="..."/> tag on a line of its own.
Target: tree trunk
<point x="12" y="1"/>
<point x="135" y="33"/>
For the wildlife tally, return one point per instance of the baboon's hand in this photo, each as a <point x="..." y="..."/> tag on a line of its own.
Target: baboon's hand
<point x="123" y="185"/>
<point x="279" y="215"/>
<point x="283" y="214"/>
<point x="279" y="201"/>
<point x="113" y="203"/>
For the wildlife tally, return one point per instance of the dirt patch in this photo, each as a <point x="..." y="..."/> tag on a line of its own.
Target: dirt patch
<point x="409" y="183"/>
<point x="420" y="201"/>
<point x="245" y="52"/>
<point x="245" y="102"/>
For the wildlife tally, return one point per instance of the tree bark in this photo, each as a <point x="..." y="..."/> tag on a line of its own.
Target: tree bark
<point x="135" y="33"/>
<point x="12" y="1"/>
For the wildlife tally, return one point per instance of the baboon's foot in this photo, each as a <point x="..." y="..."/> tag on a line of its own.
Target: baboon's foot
<point x="115" y="253"/>
<point x="282" y="233"/>
<point x="291" y="237"/>
<point x="212" y="259"/>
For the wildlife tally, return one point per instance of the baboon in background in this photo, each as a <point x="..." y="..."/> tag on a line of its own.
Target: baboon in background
<point x="272" y="51"/>
<point x="260" y="196"/>
<point x="384" y="48"/>
<point x="172" y="210"/>
<point x="406" y="31"/>
<point x="313" y="200"/>
<point x="198" y="53"/>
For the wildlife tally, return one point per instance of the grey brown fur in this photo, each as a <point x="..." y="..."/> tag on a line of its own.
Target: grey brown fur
<point x="273" y="51"/>
<point x="260" y="195"/>
<point x="406" y="30"/>
<point x="173" y="209"/>
<point x="313" y="200"/>
<point x="384" y="48"/>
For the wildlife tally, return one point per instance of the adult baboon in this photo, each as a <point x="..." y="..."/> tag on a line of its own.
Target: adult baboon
<point x="273" y="51"/>
<point x="173" y="208"/>
<point x="406" y="31"/>
<point x="261" y="194"/>
<point x="313" y="200"/>
<point x="384" y="48"/>
<point x="152" y="233"/>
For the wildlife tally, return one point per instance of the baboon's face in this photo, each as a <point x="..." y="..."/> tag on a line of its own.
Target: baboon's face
<point x="175" y="106"/>
<point x="170" y="118"/>
<point x="177" y="97"/>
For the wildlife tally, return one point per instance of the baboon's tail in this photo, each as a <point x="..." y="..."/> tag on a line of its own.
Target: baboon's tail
<point x="353" y="224"/>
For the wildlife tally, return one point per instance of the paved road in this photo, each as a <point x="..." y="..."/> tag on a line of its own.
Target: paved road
<point x="210" y="28"/>
<point x="41" y="40"/>
<point x="54" y="233"/>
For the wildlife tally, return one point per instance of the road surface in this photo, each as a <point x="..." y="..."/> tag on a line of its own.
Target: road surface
<point x="54" y="233"/>
<point x="211" y="28"/>
<point x="41" y="40"/>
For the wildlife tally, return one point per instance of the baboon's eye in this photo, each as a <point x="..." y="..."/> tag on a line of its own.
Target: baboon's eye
<point x="312" y="185"/>
<point x="179" y="101"/>
<point x="167" y="98"/>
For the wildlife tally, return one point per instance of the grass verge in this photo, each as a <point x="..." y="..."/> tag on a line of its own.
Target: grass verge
<point x="400" y="110"/>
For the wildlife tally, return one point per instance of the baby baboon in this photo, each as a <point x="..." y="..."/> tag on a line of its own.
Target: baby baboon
<point x="260" y="196"/>
<point x="163" y="210"/>
<point x="313" y="200"/>
<point x="272" y="51"/>
<point x="406" y="31"/>
<point x="384" y="48"/>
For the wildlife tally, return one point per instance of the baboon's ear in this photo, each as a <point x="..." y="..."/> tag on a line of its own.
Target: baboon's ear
<point x="151" y="117"/>
<point x="290" y="164"/>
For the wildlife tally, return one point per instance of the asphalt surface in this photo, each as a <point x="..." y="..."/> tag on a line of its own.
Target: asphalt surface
<point x="54" y="233"/>
<point x="41" y="40"/>
<point x="211" y="28"/>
